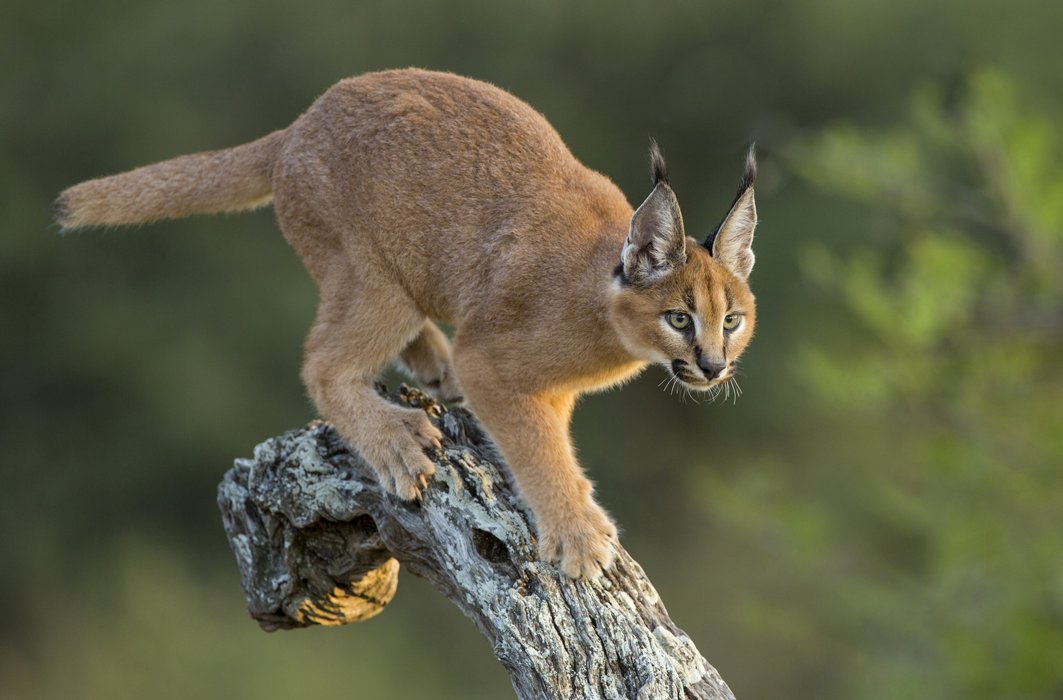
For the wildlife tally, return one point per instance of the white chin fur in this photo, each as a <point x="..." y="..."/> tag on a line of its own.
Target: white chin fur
<point x="704" y="386"/>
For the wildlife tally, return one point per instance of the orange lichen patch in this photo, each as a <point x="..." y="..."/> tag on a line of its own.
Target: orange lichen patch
<point x="358" y="601"/>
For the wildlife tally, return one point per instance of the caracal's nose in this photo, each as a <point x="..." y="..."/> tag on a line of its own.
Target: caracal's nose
<point x="711" y="369"/>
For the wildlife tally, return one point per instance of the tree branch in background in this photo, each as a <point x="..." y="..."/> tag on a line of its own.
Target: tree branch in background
<point x="319" y="543"/>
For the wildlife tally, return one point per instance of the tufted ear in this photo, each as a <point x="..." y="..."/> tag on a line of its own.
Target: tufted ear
<point x="656" y="243"/>
<point x="731" y="243"/>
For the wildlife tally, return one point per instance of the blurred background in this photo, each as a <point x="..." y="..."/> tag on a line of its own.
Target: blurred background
<point x="877" y="517"/>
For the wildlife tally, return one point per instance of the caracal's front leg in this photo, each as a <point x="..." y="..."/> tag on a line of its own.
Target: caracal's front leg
<point x="532" y="433"/>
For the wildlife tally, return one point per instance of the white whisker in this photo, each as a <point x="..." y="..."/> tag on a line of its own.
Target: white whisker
<point x="738" y="389"/>
<point x="714" y="393"/>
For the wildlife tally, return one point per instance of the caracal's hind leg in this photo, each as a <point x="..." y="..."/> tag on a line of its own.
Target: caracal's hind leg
<point x="360" y="328"/>
<point x="428" y="360"/>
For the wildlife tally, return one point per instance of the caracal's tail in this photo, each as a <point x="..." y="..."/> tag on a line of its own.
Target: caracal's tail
<point x="234" y="179"/>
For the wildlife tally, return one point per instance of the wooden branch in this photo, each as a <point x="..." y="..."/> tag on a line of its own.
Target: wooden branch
<point x="319" y="543"/>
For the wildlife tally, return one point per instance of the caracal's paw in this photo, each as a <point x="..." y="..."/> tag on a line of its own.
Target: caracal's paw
<point x="396" y="451"/>
<point x="445" y="387"/>
<point x="583" y="541"/>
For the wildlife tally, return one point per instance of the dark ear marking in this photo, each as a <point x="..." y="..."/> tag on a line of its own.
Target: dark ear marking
<point x="749" y="178"/>
<point x="657" y="164"/>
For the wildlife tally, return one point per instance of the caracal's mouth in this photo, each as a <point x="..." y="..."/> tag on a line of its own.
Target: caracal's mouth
<point x="682" y="376"/>
<point x="690" y="379"/>
<point x="701" y="384"/>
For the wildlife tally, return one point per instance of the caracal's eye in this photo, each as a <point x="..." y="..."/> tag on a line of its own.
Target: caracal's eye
<point x="731" y="321"/>
<point x="679" y="320"/>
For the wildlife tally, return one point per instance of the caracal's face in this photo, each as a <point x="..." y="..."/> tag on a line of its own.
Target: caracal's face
<point x="695" y="322"/>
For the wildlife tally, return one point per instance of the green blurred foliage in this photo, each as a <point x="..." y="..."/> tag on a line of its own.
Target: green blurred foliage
<point x="923" y="535"/>
<point x="875" y="517"/>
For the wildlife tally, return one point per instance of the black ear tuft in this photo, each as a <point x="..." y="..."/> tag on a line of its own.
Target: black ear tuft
<point x="656" y="243"/>
<point x="731" y="244"/>
<point x="657" y="165"/>
<point x="749" y="178"/>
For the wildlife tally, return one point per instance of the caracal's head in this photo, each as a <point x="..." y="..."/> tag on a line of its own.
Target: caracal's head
<point x="682" y="303"/>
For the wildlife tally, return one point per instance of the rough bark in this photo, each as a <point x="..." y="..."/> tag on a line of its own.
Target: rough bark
<point x="319" y="543"/>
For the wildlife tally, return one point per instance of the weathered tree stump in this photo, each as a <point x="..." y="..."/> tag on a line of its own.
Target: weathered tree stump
<point x="319" y="543"/>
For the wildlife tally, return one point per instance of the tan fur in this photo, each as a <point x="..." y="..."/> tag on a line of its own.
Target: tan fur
<point x="415" y="196"/>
